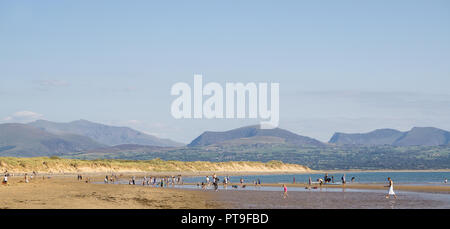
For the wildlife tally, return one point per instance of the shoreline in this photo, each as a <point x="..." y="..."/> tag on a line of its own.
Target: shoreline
<point x="381" y="170"/>
<point x="379" y="186"/>
<point x="219" y="173"/>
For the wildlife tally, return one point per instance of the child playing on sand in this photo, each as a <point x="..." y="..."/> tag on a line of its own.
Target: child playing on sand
<point x="285" y="191"/>
<point x="391" y="189"/>
<point x="203" y="186"/>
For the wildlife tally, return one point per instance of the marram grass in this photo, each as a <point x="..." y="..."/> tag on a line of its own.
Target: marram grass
<point x="60" y="165"/>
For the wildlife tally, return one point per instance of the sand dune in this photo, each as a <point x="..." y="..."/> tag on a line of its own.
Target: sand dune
<point x="57" y="165"/>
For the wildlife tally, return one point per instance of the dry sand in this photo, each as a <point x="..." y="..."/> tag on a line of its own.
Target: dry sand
<point x="67" y="192"/>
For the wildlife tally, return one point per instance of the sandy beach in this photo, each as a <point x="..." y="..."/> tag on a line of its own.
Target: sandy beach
<point x="66" y="192"/>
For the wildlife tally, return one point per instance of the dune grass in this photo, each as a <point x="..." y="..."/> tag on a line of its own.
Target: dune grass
<point x="60" y="165"/>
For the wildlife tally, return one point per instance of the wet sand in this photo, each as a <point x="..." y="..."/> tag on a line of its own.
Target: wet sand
<point x="402" y="187"/>
<point x="67" y="193"/>
<point x="327" y="200"/>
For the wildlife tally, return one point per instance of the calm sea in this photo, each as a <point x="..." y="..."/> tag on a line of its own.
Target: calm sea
<point x="419" y="178"/>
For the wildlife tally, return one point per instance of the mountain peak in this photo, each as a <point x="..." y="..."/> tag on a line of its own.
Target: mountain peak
<point x="209" y="138"/>
<point x="426" y="136"/>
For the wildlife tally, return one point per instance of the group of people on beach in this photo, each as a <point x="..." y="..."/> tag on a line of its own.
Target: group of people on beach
<point x="86" y="178"/>
<point x="27" y="177"/>
<point x="328" y="179"/>
<point x="158" y="181"/>
<point x="146" y="180"/>
<point x="110" y="179"/>
<point x="214" y="181"/>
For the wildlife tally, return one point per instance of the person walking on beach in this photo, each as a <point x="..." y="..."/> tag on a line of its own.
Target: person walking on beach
<point x="5" y="180"/>
<point x="285" y="195"/>
<point x="225" y="183"/>
<point x="215" y="183"/>
<point x="391" y="189"/>
<point x="343" y="179"/>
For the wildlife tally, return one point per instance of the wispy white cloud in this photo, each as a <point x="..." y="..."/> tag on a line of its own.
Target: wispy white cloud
<point x="53" y="83"/>
<point x="132" y="122"/>
<point x="157" y="129"/>
<point x="23" y="116"/>
<point x="47" y="84"/>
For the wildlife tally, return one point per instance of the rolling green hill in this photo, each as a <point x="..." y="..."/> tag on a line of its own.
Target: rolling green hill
<point x="326" y="158"/>
<point x="247" y="144"/>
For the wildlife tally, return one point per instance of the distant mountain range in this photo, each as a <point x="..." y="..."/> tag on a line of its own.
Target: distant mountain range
<point x="104" y="134"/>
<point x="45" y="138"/>
<point x="254" y="133"/>
<point x="417" y="136"/>
<point x="419" y="148"/>
<point x="23" y="140"/>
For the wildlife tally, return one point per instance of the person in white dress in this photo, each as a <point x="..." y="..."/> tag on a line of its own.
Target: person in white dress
<point x="391" y="189"/>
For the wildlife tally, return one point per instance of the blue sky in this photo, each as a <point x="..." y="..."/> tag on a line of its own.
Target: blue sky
<point x="346" y="66"/>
